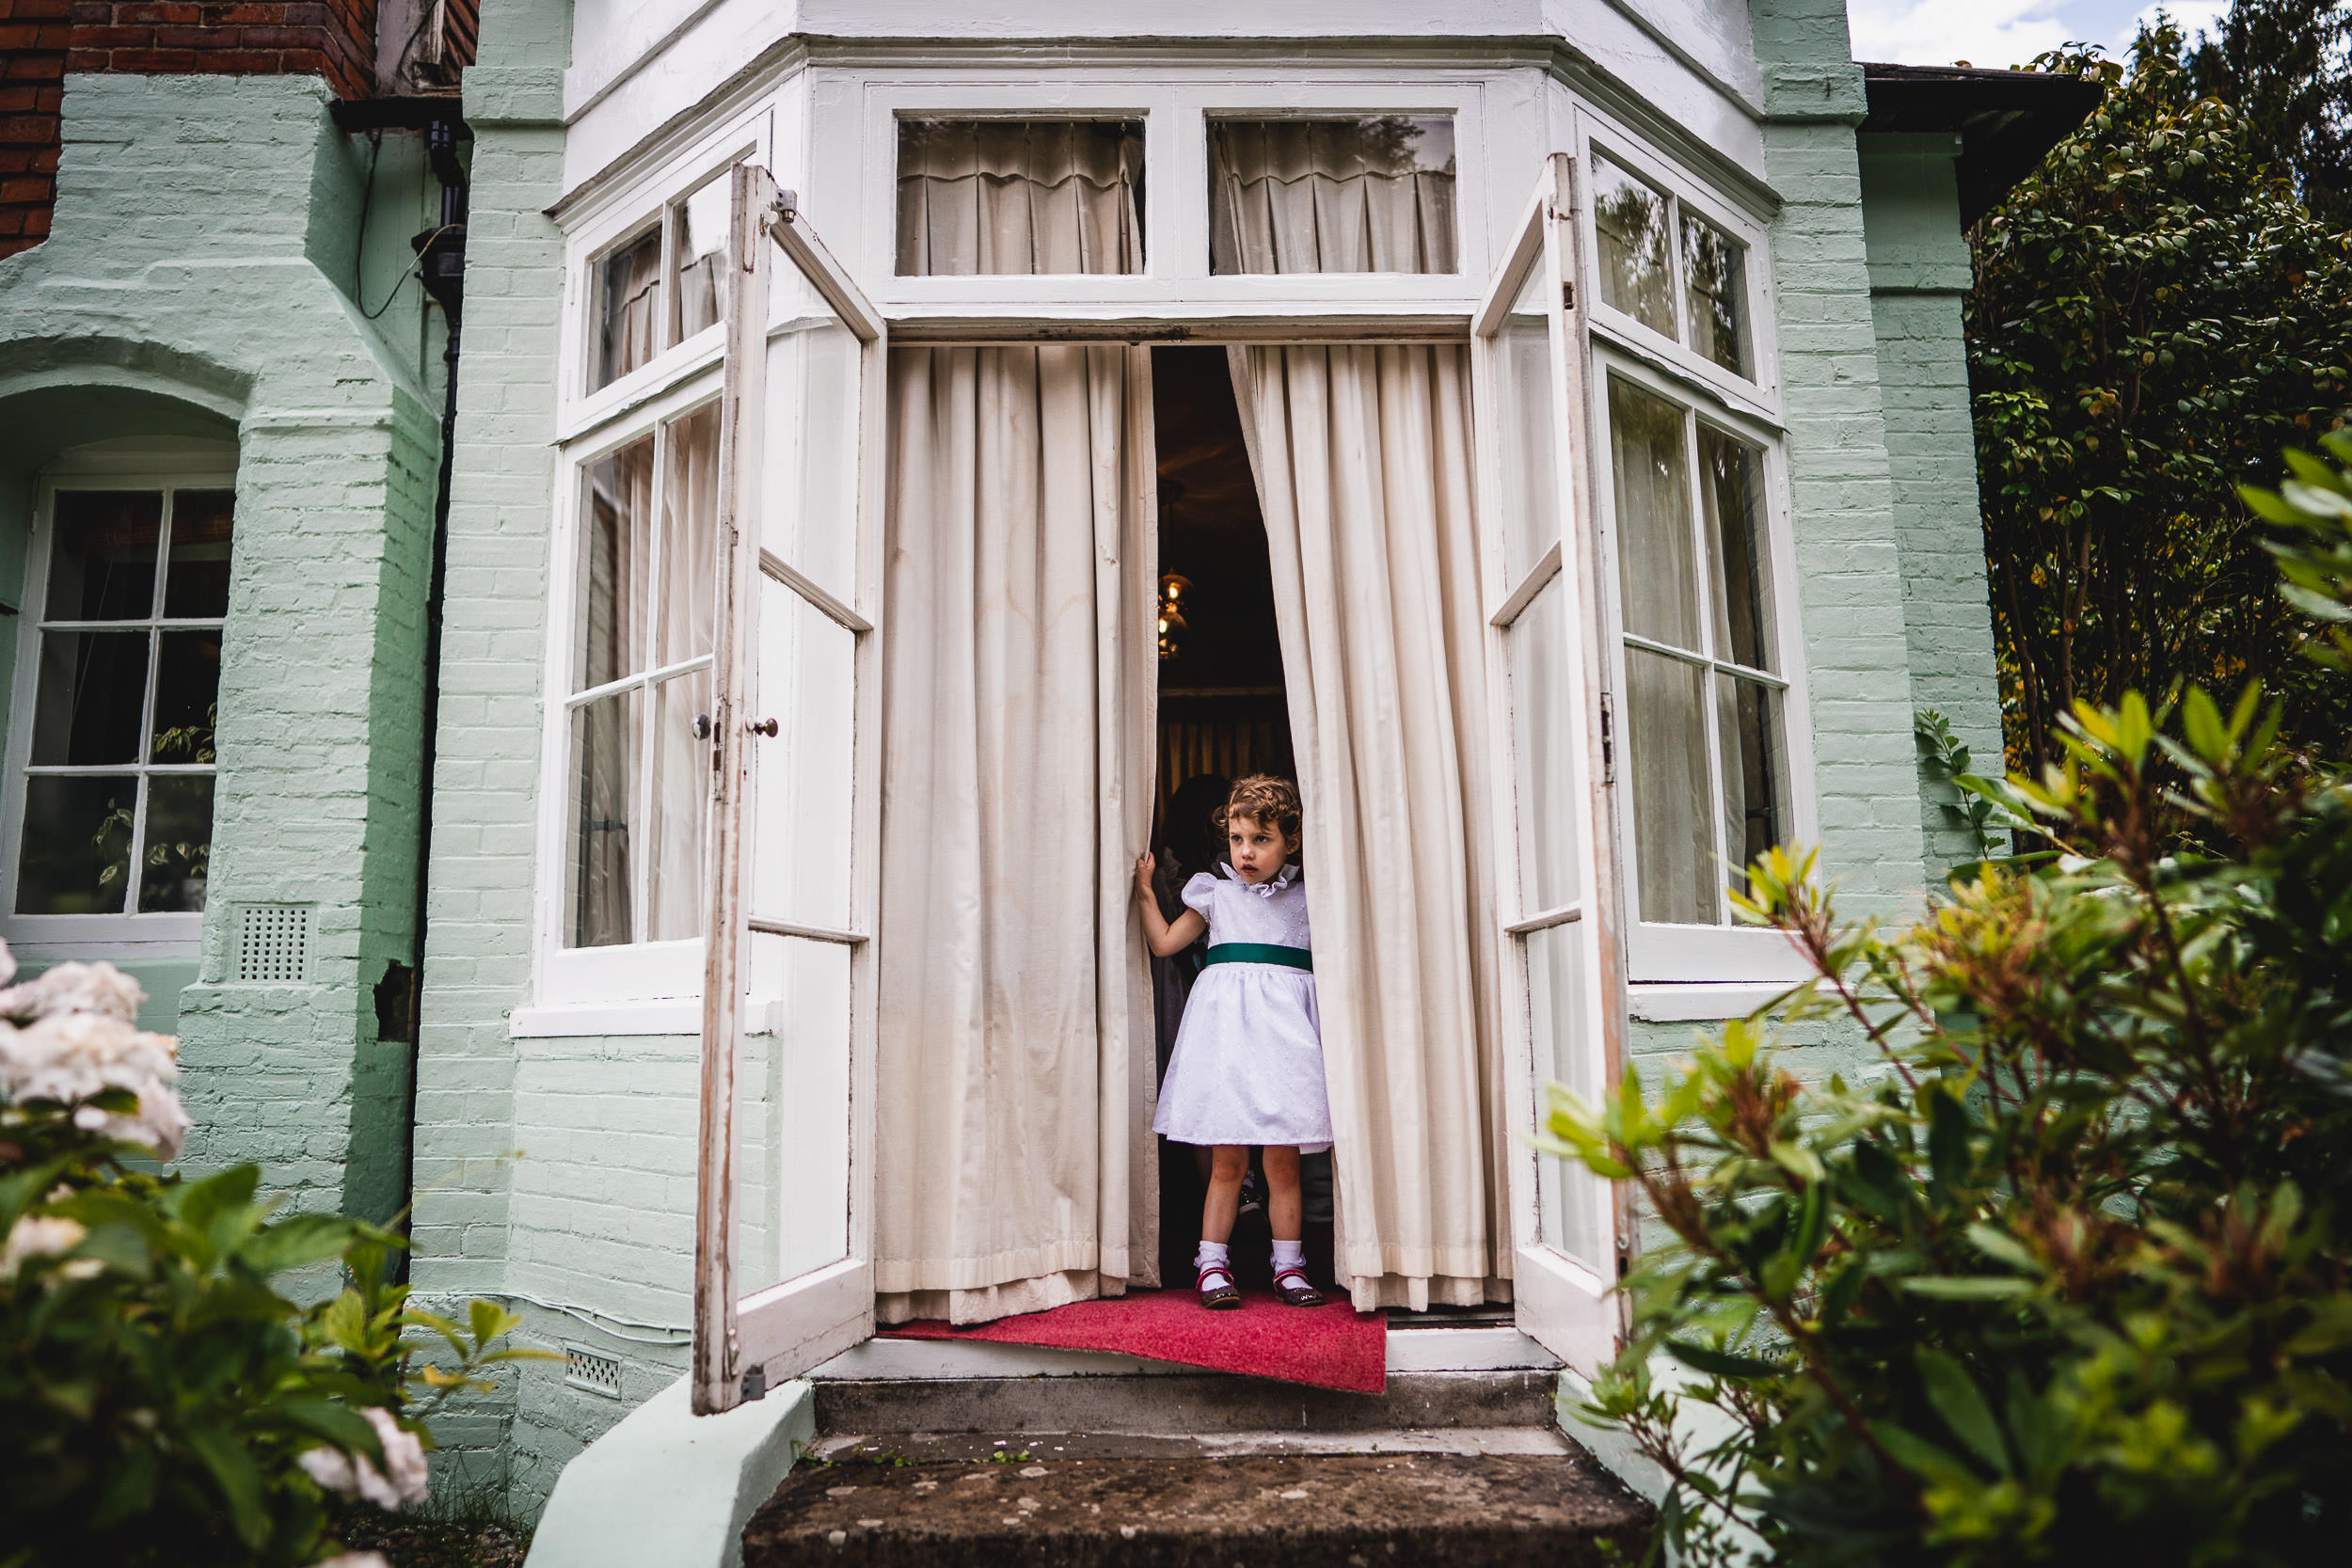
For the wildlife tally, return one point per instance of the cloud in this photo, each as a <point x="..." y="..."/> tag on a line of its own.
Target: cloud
<point x="1940" y="32"/>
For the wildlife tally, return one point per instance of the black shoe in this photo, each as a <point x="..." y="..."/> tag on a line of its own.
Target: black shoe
<point x="1252" y="1197"/>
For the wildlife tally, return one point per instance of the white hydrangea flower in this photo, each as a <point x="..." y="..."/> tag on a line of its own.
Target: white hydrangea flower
<point x="38" y="1236"/>
<point x="72" y="988"/>
<point x="354" y="1559"/>
<point x="350" y="1476"/>
<point x="70" y="1057"/>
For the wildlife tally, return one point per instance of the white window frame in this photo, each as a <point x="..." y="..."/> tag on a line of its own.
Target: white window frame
<point x="159" y="465"/>
<point x="1740" y="966"/>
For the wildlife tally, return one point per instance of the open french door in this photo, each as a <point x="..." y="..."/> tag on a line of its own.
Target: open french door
<point x="1565" y="999"/>
<point x="783" y="1238"/>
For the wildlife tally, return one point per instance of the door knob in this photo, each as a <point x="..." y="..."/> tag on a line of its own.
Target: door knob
<point x="702" y="726"/>
<point x="763" y="726"/>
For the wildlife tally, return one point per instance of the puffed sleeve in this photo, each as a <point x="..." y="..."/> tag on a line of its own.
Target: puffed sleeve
<point x="1201" y="892"/>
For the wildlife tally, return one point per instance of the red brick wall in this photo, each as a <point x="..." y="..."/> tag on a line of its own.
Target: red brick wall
<point x="230" y="37"/>
<point x="33" y="46"/>
<point x="42" y="39"/>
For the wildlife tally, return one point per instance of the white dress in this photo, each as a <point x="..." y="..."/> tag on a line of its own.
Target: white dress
<point x="1247" y="1067"/>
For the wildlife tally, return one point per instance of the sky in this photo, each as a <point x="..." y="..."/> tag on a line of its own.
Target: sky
<point x="2003" y="32"/>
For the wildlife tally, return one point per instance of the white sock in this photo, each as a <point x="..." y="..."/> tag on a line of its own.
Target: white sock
<point x="1289" y="1254"/>
<point x="1211" y="1254"/>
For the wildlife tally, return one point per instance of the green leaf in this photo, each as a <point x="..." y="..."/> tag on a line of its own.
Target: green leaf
<point x="233" y="1468"/>
<point x="1966" y="1286"/>
<point x="1963" y="1405"/>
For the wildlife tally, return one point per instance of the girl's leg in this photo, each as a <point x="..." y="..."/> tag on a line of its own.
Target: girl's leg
<point x="1285" y="1208"/>
<point x="1228" y="1165"/>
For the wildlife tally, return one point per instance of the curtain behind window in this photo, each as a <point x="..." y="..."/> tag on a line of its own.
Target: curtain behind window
<point x="989" y="196"/>
<point x="1372" y="195"/>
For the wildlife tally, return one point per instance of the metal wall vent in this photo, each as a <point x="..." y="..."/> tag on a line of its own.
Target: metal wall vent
<point x="272" y="943"/>
<point x="593" y="1370"/>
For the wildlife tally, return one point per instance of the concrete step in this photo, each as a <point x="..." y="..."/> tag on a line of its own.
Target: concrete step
<point x="1181" y="1402"/>
<point x="1284" y="1510"/>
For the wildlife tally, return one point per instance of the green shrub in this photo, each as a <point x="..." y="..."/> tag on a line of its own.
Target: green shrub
<point x="162" y="1399"/>
<point x="2069" y="1277"/>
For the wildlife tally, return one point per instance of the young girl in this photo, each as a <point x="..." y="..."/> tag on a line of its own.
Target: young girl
<point x="1247" y="1068"/>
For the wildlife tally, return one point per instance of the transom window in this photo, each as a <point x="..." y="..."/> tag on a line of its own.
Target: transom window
<point x="125" y="644"/>
<point x="1358" y="193"/>
<point x="662" y="285"/>
<point x="1026" y="197"/>
<point x="1670" y="268"/>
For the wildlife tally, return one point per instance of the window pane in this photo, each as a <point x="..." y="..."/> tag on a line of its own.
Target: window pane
<point x="1530" y="476"/>
<point x="102" y="555"/>
<point x="1016" y="195"/>
<point x="1543" y="750"/>
<point x="689" y="537"/>
<point x="1374" y="194"/>
<point x="91" y="700"/>
<point x="702" y="255"/>
<point x="77" y="844"/>
<point x="1631" y="219"/>
<point x="597" y="895"/>
<point x="615" y="550"/>
<point x="196" y="583"/>
<point x="188" y="697"/>
<point x="1731" y="488"/>
<point x="1674" y="823"/>
<point x="1755" y="774"/>
<point x="1555" y="984"/>
<point x="680" y="802"/>
<point x="792" y="1122"/>
<point x="802" y="794"/>
<point x="1655" y="575"/>
<point x="1715" y="285"/>
<point x="179" y="853"/>
<point x="629" y="307"/>
<point x="813" y="375"/>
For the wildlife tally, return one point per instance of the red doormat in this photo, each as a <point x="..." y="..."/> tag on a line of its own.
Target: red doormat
<point x="1331" y="1346"/>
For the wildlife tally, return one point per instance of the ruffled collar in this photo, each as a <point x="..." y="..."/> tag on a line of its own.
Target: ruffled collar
<point x="1266" y="889"/>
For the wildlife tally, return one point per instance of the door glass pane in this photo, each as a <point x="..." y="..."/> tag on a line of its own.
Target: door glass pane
<point x="1755" y="774"/>
<point x="689" y="537"/>
<point x="681" y="806"/>
<point x="1656" y="574"/>
<point x="102" y="555"/>
<point x="1555" y="998"/>
<point x="188" y="697"/>
<point x="615" y="552"/>
<point x="1673" y="825"/>
<point x="1017" y="196"/>
<point x="1631" y="221"/>
<point x="91" y="700"/>
<point x="178" y="855"/>
<point x="1715" y="293"/>
<point x="702" y="257"/>
<point x="1356" y="193"/>
<point x="792" y="1124"/>
<point x="1731" y="490"/>
<point x="76" y="851"/>
<point x="815" y="371"/>
<point x="802" y="799"/>
<point x="1544" y="751"/>
<point x="629" y="307"/>
<point x="196" y="583"/>
<point x="598" y="900"/>
<point x="1531" y="474"/>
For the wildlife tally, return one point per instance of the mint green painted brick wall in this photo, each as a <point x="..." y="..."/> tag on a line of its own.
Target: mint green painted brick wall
<point x="205" y="247"/>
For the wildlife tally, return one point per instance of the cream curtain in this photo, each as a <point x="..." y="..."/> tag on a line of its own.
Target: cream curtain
<point x="1329" y="195"/>
<point x="992" y="195"/>
<point x="1363" y="459"/>
<point x="1015" y="1168"/>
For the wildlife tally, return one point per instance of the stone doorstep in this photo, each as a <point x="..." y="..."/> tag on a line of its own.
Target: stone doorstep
<point x="1325" y="1510"/>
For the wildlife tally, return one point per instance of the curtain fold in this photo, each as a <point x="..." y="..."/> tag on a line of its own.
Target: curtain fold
<point x="1329" y="195"/>
<point x="1014" y="1169"/>
<point x="1362" y="457"/>
<point x="992" y="195"/>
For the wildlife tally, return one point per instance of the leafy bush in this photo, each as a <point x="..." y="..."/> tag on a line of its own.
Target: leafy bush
<point x="2070" y="1278"/>
<point x="162" y="1399"/>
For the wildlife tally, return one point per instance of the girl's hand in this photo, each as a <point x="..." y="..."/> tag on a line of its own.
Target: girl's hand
<point x="1143" y="879"/>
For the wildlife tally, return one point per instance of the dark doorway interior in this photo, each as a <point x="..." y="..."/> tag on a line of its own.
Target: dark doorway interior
<point x="1223" y="713"/>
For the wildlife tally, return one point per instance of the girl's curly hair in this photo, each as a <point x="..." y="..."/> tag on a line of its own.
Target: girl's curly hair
<point x="1262" y="799"/>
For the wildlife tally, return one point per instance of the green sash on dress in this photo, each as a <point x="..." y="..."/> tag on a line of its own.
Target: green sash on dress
<point x="1262" y="953"/>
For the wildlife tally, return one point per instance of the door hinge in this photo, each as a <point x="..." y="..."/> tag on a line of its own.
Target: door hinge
<point x="1608" y="739"/>
<point x="1567" y="296"/>
<point x="754" y="1385"/>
